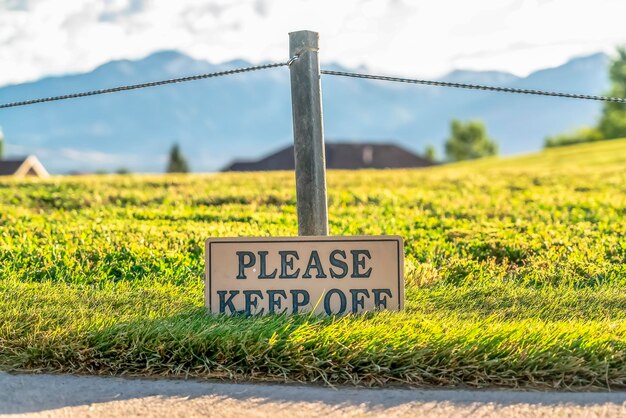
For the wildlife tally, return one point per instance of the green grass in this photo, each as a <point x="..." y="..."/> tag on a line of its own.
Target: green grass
<point x="515" y="275"/>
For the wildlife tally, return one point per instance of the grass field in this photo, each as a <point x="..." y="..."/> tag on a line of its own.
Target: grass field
<point x="515" y="275"/>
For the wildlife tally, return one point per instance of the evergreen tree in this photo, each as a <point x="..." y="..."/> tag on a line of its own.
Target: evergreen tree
<point x="468" y="141"/>
<point x="430" y="154"/>
<point x="177" y="162"/>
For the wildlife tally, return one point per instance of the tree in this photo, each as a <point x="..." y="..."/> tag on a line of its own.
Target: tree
<point x="177" y="162"/>
<point x="579" y="136"/>
<point x="468" y="141"/>
<point x="613" y="120"/>
<point x="430" y="154"/>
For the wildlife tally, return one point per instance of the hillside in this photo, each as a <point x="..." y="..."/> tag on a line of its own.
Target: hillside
<point x="249" y="115"/>
<point x="595" y="156"/>
<point x="514" y="273"/>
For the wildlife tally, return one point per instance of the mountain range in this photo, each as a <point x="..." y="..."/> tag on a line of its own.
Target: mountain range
<point x="246" y="116"/>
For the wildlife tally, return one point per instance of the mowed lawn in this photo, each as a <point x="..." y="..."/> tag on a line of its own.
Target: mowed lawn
<point x="515" y="275"/>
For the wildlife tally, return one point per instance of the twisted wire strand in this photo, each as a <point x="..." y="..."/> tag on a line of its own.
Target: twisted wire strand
<point x="474" y="86"/>
<point x="325" y="72"/>
<point x="144" y="85"/>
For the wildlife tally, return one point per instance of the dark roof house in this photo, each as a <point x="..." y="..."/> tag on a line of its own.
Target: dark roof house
<point x="342" y="156"/>
<point x="22" y="167"/>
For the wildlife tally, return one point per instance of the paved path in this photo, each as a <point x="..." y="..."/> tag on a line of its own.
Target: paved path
<point x="74" y="396"/>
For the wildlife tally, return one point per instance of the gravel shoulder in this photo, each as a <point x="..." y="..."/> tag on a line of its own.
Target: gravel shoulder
<point x="87" y="396"/>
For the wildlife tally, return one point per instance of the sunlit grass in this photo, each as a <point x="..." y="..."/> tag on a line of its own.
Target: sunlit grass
<point x="515" y="275"/>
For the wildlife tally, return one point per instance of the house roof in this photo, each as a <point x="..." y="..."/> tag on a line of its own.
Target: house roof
<point x="346" y="156"/>
<point x="9" y="167"/>
<point x="22" y="167"/>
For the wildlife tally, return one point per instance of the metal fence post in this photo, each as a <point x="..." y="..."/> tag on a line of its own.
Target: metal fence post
<point x="308" y="133"/>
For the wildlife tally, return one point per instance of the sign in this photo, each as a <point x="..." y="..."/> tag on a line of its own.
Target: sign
<point x="327" y="275"/>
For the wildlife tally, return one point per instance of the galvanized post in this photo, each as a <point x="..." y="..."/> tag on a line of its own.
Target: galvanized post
<point x="308" y="133"/>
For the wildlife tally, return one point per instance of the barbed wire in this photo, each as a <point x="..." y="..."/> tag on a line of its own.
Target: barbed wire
<point x="474" y="86"/>
<point x="148" y="84"/>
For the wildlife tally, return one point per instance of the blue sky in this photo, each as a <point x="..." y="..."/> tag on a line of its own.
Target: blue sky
<point x="403" y="37"/>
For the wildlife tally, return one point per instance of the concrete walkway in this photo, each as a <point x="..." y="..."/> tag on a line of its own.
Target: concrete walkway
<point x="81" y="396"/>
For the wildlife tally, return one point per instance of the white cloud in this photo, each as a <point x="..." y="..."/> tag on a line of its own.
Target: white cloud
<point x="419" y="38"/>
